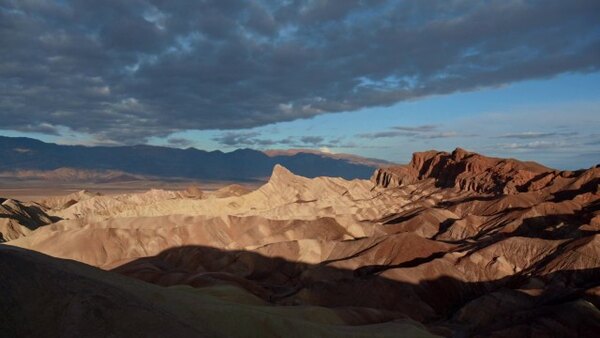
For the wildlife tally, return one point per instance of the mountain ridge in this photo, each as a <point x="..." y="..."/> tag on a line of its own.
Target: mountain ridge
<point x="241" y="164"/>
<point x="350" y="157"/>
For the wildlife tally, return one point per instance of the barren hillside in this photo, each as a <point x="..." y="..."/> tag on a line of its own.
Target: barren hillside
<point x="452" y="244"/>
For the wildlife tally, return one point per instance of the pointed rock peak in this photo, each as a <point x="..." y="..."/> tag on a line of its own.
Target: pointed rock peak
<point x="281" y="172"/>
<point x="459" y="153"/>
<point x="278" y="169"/>
<point x="193" y="191"/>
<point x="86" y="193"/>
<point x="8" y="201"/>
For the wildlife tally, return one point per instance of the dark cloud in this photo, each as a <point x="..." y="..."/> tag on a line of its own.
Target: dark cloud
<point x="386" y="134"/>
<point x="593" y="140"/>
<point x="250" y="139"/>
<point x="128" y="70"/>
<point x="421" y="132"/>
<point x="255" y="139"/>
<point x="43" y="128"/>
<point x="534" y="135"/>
<point x="446" y="134"/>
<point x="312" y="139"/>
<point x="417" y="129"/>
<point x="534" y="145"/>
<point x="179" y="142"/>
<point x="399" y="131"/>
<point x="237" y="138"/>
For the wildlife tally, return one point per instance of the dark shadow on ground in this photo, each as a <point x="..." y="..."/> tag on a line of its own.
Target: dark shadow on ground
<point x="443" y="304"/>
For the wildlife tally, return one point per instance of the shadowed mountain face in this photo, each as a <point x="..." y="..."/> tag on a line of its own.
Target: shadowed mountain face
<point x="452" y="244"/>
<point x="243" y="164"/>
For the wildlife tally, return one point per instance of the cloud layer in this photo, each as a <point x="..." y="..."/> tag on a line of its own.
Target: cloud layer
<point x="418" y="132"/>
<point x="258" y="140"/>
<point x="128" y="70"/>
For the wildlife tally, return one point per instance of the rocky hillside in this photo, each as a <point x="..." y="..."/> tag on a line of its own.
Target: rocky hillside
<point x="456" y="245"/>
<point x="468" y="171"/>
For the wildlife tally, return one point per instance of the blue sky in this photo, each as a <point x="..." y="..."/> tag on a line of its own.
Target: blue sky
<point x="379" y="79"/>
<point x="554" y="121"/>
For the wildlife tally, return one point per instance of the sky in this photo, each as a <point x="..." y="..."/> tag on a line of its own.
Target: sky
<point x="382" y="79"/>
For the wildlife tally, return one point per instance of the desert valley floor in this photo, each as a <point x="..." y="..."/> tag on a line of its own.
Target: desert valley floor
<point x="452" y="244"/>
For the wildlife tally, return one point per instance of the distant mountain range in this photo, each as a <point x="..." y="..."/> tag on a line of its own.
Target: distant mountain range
<point x="372" y="162"/>
<point x="20" y="153"/>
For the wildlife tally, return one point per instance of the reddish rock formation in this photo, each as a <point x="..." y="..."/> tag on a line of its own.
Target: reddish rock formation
<point x="469" y="171"/>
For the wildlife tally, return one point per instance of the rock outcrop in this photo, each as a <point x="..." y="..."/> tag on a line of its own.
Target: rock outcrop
<point x="18" y="219"/>
<point x="467" y="171"/>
